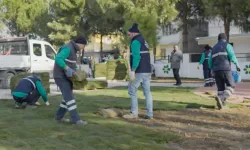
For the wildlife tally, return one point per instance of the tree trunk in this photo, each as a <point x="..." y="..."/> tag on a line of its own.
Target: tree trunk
<point x="154" y="52"/>
<point x="82" y="55"/>
<point x="185" y="30"/>
<point x="227" y="27"/>
<point x="101" y="48"/>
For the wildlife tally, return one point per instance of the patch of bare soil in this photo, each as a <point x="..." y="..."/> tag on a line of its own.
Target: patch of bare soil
<point x="204" y="129"/>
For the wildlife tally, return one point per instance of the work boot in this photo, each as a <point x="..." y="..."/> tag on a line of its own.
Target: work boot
<point x="20" y="105"/>
<point x="224" y="104"/>
<point x="212" y="84"/>
<point x="63" y="120"/>
<point x="81" y="122"/>
<point x="148" y="117"/>
<point x="207" y="85"/>
<point x="31" y="106"/>
<point x="219" y="101"/>
<point x="130" y="116"/>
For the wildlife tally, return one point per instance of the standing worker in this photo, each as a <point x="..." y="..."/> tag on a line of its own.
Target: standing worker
<point x="64" y="68"/>
<point x="209" y="80"/>
<point x="28" y="91"/>
<point x="175" y="60"/>
<point x="140" y="73"/>
<point x="220" y="63"/>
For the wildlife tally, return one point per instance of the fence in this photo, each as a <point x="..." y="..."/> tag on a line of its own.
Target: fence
<point x="189" y="69"/>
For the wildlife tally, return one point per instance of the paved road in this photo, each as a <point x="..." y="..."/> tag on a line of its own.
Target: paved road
<point x="5" y="93"/>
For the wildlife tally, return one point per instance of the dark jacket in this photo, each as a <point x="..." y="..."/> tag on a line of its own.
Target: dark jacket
<point x="70" y="61"/>
<point x="144" y="64"/>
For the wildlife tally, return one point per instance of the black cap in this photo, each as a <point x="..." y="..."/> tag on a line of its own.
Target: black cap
<point x="134" y="28"/>
<point x="81" y="40"/>
<point x="207" y="47"/>
<point x="222" y="36"/>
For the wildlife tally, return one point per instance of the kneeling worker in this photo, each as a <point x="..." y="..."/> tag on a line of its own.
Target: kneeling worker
<point x="28" y="91"/>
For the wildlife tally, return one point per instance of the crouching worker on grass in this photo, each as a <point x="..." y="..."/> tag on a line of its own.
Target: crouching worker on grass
<point x="28" y="91"/>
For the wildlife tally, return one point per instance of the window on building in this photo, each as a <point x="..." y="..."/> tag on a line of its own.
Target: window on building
<point x="201" y="28"/>
<point x="163" y="52"/>
<point x="195" y="57"/>
<point x="169" y="29"/>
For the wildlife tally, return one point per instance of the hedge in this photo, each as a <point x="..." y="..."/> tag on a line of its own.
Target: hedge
<point x="95" y="84"/>
<point x="81" y="83"/>
<point x="117" y="70"/>
<point x="90" y="85"/>
<point x="112" y="70"/>
<point x="100" y="70"/>
<point x="44" y="79"/>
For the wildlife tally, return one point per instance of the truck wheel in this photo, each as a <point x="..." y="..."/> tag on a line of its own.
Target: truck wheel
<point x="6" y="81"/>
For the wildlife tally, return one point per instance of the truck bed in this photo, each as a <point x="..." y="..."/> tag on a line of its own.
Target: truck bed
<point x="14" y="62"/>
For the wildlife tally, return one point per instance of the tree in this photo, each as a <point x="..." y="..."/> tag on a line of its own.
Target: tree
<point x="189" y="10"/>
<point x="243" y="18"/>
<point x="103" y="18"/>
<point x="227" y="10"/>
<point x="67" y="17"/>
<point x="22" y="16"/>
<point x="151" y="15"/>
<point x="1" y="21"/>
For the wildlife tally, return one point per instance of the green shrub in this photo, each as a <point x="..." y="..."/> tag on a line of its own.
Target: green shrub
<point x="100" y="70"/>
<point x="90" y="85"/>
<point x="117" y="70"/>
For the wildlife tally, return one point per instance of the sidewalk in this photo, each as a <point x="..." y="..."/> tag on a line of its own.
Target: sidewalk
<point x="241" y="90"/>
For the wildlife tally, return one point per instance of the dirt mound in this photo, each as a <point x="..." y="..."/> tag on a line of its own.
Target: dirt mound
<point x="201" y="129"/>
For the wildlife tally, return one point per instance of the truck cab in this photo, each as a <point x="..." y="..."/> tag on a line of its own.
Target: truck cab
<point x="21" y="54"/>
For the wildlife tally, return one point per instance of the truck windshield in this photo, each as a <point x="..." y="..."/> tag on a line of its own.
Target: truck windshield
<point x="14" y="48"/>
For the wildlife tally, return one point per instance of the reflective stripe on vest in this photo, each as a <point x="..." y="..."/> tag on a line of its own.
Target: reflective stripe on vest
<point x="70" y="61"/>
<point x="30" y="82"/>
<point x="142" y="52"/>
<point x="219" y="54"/>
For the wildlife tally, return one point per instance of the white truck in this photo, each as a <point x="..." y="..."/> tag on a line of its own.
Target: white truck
<point x="24" y="55"/>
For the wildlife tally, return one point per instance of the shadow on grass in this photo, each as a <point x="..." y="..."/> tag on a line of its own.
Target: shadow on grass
<point x="104" y="101"/>
<point x="159" y="89"/>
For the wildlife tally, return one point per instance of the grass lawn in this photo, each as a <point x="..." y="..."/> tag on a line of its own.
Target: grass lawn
<point x="35" y="129"/>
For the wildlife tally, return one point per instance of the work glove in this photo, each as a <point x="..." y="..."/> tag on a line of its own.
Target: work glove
<point x="238" y="69"/>
<point x="47" y="103"/>
<point x="69" y="72"/>
<point x="132" y="75"/>
<point x="38" y="104"/>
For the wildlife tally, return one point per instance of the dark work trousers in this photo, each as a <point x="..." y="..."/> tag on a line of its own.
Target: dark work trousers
<point x="225" y="83"/>
<point x="176" y="75"/>
<point x="68" y="103"/>
<point x="30" y="99"/>
<point x="208" y="76"/>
